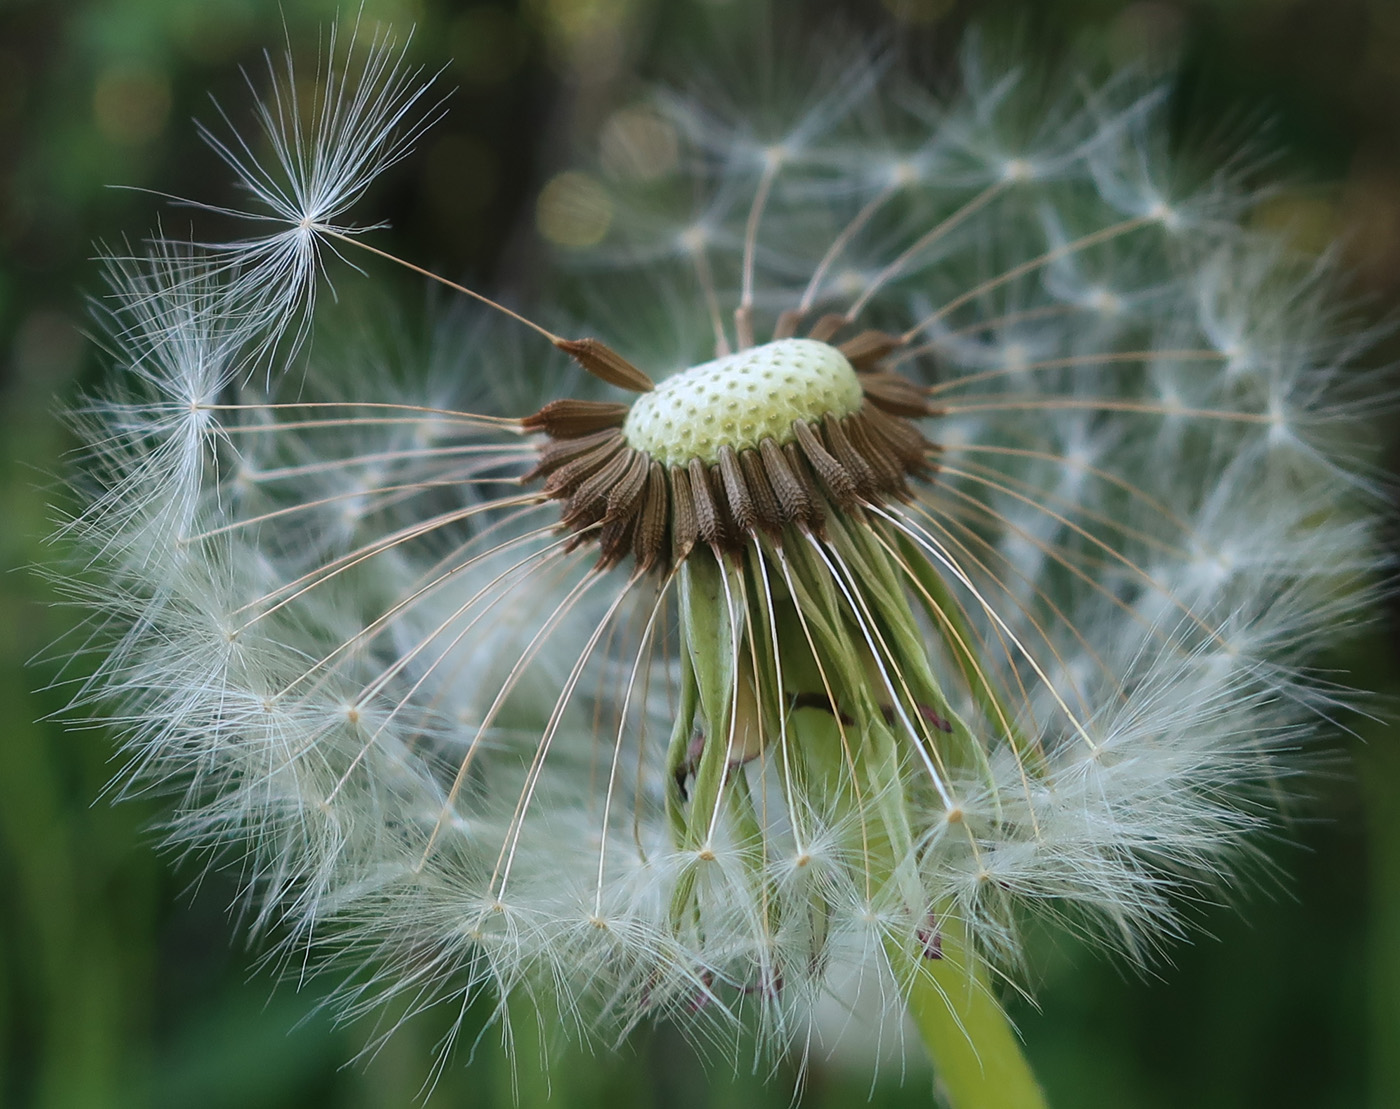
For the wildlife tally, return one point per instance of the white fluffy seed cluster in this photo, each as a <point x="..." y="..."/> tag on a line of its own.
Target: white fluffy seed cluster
<point x="375" y="677"/>
<point x="741" y="399"/>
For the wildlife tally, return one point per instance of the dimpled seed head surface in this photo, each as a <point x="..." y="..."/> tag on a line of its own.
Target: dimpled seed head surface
<point x="742" y="399"/>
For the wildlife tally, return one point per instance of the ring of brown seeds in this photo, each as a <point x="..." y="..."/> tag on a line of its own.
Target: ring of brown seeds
<point x="773" y="437"/>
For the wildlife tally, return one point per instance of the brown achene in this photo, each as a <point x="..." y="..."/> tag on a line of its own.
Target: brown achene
<point x="631" y="504"/>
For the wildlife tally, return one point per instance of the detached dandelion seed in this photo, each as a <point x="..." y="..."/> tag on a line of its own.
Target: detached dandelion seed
<point x="958" y="556"/>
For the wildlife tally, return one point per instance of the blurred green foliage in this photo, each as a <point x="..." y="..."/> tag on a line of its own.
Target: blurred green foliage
<point x="122" y="978"/>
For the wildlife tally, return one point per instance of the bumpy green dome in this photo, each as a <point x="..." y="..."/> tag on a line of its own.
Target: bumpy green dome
<point x="742" y="399"/>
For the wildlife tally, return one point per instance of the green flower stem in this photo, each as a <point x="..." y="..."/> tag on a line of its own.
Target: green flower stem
<point x="976" y="1053"/>
<point x="752" y="649"/>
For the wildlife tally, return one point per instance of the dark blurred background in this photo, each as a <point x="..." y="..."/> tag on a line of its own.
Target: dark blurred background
<point x="122" y="985"/>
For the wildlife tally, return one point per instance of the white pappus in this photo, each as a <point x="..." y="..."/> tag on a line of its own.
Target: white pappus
<point x="966" y="561"/>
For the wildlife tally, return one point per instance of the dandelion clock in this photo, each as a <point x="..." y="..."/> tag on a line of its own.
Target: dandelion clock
<point x="914" y="514"/>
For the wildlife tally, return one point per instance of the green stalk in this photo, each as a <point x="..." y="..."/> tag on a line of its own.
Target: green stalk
<point x="976" y="1053"/>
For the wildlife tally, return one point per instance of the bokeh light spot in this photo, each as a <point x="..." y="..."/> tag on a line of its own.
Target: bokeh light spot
<point x="574" y="210"/>
<point x="639" y="144"/>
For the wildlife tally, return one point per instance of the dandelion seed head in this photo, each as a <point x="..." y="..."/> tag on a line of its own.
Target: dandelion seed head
<point x="954" y="557"/>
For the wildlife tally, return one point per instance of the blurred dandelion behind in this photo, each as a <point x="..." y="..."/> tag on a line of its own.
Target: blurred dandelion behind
<point x="965" y="564"/>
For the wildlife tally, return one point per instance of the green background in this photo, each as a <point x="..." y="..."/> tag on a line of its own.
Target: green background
<point x="122" y="984"/>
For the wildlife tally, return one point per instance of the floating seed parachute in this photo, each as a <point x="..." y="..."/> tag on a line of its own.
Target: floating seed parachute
<point x="984" y="587"/>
